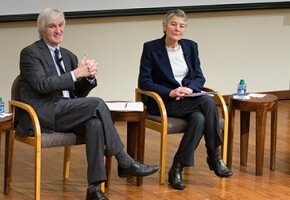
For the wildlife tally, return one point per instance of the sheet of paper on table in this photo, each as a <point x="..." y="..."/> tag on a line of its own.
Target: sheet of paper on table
<point x="126" y="106"/>
<point x="4" y="114"/>
<point x="248" y="96"/>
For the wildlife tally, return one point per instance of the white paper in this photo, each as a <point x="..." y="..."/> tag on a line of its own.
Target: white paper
<point x="4" y="114"/>
<point x="239" y="97"/>
<point x="125" y="106"/>
<point x="256" y="95"/>
<point x="250" y="95"/>
<point x="196" y="94"/>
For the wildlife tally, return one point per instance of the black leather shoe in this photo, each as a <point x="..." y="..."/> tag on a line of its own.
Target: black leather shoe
<point x="95" y="194"/>
<point x="216" y="164"/>
<point x="175" y="176"/>
<point x="137" y="169"/>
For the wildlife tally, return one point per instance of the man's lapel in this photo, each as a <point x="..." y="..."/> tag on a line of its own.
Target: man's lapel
<point x="50" y="67"/>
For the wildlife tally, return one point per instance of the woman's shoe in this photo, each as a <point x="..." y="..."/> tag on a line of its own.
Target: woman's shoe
<point x="215" y="163"/>
<point x="175" y="176"/>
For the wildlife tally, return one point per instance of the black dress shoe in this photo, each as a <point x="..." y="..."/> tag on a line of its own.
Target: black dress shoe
<point x="95" y="194"/>
<point x="175" y="176"/>
<point x="215" y="163"/>
<point x="137" y="169"/>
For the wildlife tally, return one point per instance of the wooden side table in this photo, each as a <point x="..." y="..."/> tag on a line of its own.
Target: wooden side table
<point x="6" y="125"/>
<point x="135" y="137"/>
<point x="261" y="106"/>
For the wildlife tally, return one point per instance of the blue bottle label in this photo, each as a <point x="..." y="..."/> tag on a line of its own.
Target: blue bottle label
<point x="1" y="107"/>
<point x="241" y="91"/>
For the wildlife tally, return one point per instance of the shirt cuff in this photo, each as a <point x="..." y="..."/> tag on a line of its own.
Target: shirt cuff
<point x="91" y="80"/>
<point x="73" y="76"/>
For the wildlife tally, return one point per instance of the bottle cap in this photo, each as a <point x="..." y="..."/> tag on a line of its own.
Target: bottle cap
<point x="0" y="98"/>
<point x="242" y="81"/>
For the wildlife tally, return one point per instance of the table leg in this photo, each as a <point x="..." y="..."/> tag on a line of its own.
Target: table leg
<point x="244" y="140"/>
<point x="273" y="138"/>
<point x="7" y="162"/>
<point x="231" y="135"/>
<point x="135" y="140"/>
<point x="261" y="117"/>
<point x="132" y="137"/>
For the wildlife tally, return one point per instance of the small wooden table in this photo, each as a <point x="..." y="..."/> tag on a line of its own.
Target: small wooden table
<point x="135" y="136"/>
<point x="6" y="125"/>
<point x="261" y="106"/>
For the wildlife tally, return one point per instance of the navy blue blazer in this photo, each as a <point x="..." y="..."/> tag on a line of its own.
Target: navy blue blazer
<point x="156" y="73"/>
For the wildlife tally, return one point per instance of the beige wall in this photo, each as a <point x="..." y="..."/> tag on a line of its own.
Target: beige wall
<point x="254" y="45"/>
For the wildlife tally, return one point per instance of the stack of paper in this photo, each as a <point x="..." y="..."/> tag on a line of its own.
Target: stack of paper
<point x="250" y="95"/>
<point x="125" y="106"/>
<point x="4" y="114"/>
<point x="196" y="94"/>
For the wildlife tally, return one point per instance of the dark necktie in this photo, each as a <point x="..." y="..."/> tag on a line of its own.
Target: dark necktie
<point x="58" y="61"/>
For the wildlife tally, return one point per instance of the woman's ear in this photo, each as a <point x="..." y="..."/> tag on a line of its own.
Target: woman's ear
<point x="164" y="27"/>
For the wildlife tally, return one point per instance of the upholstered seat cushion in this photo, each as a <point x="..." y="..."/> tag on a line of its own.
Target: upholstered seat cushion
<point x="60" y="139"/>
<point x="57" y="139"/>
<point x="177" y="125"/>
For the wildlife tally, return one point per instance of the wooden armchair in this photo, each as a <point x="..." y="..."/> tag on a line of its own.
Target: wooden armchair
<point x="169" y="125"/>
<point x="40" y="140"/>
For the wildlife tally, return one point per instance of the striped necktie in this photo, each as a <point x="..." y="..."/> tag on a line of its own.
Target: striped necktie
<point x="58" y="61"/>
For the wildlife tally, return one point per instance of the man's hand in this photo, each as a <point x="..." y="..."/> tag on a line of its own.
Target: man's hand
<point x="93" y="68"/>
<point x="86" y="68"/>
<point x="179" y="92"/>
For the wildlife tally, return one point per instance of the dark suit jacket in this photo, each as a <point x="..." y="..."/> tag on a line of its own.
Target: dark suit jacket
<point x="41" y="87"/>
<point x="156" y="72"/>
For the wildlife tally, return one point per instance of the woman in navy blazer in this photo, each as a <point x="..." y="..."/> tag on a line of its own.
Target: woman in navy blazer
<point x="170" y="66"/>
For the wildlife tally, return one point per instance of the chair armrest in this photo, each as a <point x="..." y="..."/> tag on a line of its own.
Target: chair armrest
<point x="218" y="97"/>
<point x="220" y="100"/>
<point x="225" y="115"/>
<point x="17" y="104"/>
<point x="157" y="98"/>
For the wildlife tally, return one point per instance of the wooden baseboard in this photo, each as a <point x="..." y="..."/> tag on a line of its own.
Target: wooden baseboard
<point x="282" y="95"/>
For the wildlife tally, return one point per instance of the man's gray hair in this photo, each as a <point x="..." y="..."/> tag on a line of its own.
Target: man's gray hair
<point x="46" y="17"/>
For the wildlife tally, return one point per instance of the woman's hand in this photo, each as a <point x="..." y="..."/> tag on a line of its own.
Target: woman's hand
<point x="179" y="92"/>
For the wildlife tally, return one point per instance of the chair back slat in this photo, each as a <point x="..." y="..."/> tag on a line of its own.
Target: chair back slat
<point x="15" y="89"/>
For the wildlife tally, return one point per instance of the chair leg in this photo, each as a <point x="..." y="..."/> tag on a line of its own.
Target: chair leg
<point x="108" y="162"/>
<point x="224" y="147"/>
<point x="103" y="184"/>
<point x="37" y="172"/>
<point x="162" y="158"/>
<point x="66" y="166"/>
<point x="66" y="162"/>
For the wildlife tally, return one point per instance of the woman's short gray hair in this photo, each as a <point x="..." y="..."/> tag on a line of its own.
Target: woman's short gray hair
<point x="47" y="16"/>
<point x="179" y="13"/>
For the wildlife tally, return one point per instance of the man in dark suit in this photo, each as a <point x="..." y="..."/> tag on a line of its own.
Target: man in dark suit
<point x="56" y="85"/>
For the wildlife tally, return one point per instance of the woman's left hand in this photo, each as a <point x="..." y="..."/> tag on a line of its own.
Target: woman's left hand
<point x="180" y="92"/>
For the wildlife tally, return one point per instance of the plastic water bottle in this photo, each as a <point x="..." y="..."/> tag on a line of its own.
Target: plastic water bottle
<point x="242" y="89"/>
<point x="1" y="106"/>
